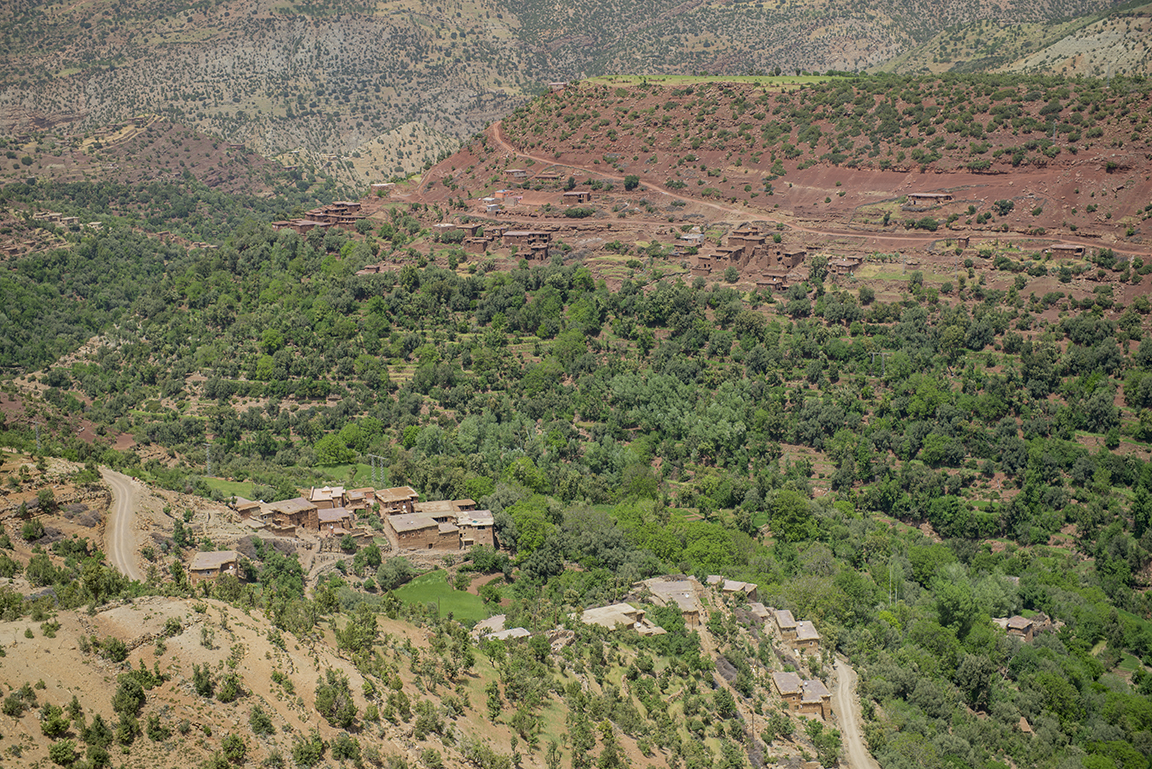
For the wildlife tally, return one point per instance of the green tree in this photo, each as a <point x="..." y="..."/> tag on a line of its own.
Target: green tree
<point x="631" y="182"/>
<point x="791" y="517"/>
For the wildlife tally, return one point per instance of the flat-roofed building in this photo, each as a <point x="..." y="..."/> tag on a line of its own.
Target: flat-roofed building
<point x="806" y="638"/>
<point x="681" y="593"/>
<point x="397" y="500"/>
<point x="290" y="513"/>
<point x="477" y="527"/>
<point x="785" y="624"/>
<point x="620" y="615"/>
<point x="213" y="565"/>
<point x="335" y="520"/>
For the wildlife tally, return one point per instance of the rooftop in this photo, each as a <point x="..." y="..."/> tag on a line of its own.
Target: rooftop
<point x="291" y="506"/>
<point x="814" y="691"/>
<point x="412" y="522"/>
<point x="334" y="515"/>
<point x="787" y="683"/>
<point x="213" y="561"/>
<point x="806" y="631"/>
<point x="784" y="618"/>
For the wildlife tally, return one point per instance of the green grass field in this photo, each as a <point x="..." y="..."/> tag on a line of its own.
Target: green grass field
<point x="230" y="488"/>
<point x="433" y="588"/>
<point x="782" y="81"/>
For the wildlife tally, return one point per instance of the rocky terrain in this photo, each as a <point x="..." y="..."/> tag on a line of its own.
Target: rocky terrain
<point x="380" y="88"/>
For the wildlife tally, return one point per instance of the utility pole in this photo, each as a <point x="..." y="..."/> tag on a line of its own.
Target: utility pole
<point x="883" y="356"/>
<point x="377" y="463"/>
<point x="38" y="448"/>
<point x="208" y="449"/>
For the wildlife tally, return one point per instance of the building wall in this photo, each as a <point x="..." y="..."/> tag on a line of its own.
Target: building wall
<point x="480" y="535"/>
<point x="822" y="708"/>
<point x="421" y="539"/>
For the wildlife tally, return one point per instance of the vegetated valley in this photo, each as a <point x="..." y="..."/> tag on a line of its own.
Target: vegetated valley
<point x="764" y="381"/>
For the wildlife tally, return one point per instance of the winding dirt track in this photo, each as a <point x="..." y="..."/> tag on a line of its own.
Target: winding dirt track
<point x="740" y="215"/>
<point x="119" y="539"/>
<point x="848" y="716"/>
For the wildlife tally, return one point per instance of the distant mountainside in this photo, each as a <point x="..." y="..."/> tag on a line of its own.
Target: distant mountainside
<point x="1095" y="45"/>
<point x="374" y="88"/>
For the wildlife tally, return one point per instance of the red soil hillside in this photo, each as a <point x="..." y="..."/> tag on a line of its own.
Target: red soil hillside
<point x="840" y="157"/>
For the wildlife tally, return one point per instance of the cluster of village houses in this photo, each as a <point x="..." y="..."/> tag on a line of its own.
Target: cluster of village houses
<point x="345" y="214"/>
<point x="334" y="511"/>
<point x="806" y="696"/>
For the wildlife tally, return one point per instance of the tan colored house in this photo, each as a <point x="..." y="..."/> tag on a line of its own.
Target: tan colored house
<point x="336" y="520"/>
<point x="575" y="197"/>
<point x="929" y="198"/>
<point x="1021" y="627"/>
<point x="621" y="615"/>
<point x="526" y="238"/>
<point x="737" y="588"/>
<point x="397" y="501"/>
<point x="423" y="532"/>
<point x="516" y="173"/>
<point x="1066" y="251"/>
<point x="245" y="507"/>
<point x="477" y="527"/>
<point x="326" y="497"/>
<point x="841" y="267"/>
<point x="806" y="638"/>
<point x="681" y="593"/>
<point x="810" y="697"/>
<point x="213" y="565"/>
<point x="785" y="624"/>
<point x="292" y="513"/>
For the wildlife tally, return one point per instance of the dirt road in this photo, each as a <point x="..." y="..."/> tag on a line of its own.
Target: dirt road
<point x="848" y="716"/>
<point x="119" y="537"/>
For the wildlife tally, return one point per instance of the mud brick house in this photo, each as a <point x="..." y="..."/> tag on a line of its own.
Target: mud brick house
<point x="547" y="176"/>
<point x="516" y="173"/>
<point x="213" y="565"/>
<point x="397" y="501"/>
<point x="928" y="198"/>
<point x="289" y="514"/>
<point x="526" y="238"/>
<point x="477" y="527"/>
<point x="335" y="520"/>
<point x="445" y="508"/>
<point x="703" y="264"/>
<point x="840" y="267"/>
<point x="777" y="279"/>
<point x="808" y="697"/>
<point x="621" y="615"/>
<point x="301" y="226"/>
<point x="807" y="639"/>
<point x="785" y="624"/>
<point x="476" y="245"/>
<point x="327" y="497"/>
<point x="736" y="588"/>
<point x="681" y="593"/>
<point x="1066" y="251"/>
<point x="575" y="197"/>
<point x="423" y="532"/>
<point x="245" y="507"/>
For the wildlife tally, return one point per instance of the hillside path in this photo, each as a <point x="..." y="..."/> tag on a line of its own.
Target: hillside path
<point x="909" y="240"/>
<point x="848" y="716"/>
<point x="119" y="537"/>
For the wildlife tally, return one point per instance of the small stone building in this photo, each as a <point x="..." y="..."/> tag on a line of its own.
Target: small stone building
<point x="213" y="565"/>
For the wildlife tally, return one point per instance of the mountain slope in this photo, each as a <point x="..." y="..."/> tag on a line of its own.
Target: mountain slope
<point x="332" y="77"/>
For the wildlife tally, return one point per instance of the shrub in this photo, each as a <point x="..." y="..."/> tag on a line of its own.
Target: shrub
<point x="308" y="751"/>
<point x="234" y="747"/>
<point x="579" y="212"/>
<point x="261" y="722"/>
